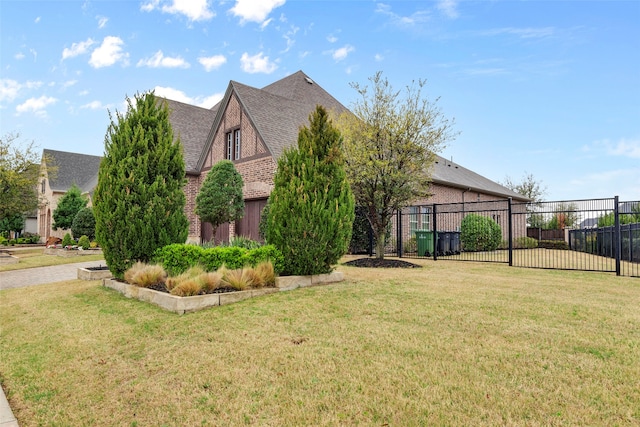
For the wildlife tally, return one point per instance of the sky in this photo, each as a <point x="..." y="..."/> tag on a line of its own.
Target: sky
<point x="547" y="88"/>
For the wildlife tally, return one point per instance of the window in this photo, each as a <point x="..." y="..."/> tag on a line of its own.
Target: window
<point x="233" y="145"/>
<point x="419" y="219"/>
<point x="43" y="186"/>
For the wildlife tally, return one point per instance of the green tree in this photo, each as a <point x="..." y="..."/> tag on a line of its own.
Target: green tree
<point x="311" y="207"/>
<point x="12" y="223"/>
<point x="84" y="223"/>
<point x="220" y="198"/>
<point x="565" y="215"/>
<point x="389" y="146"/>
<point x="69" y="205"/>
<point x="632" y="217"/>
<point x="529" y="187"/>
<point x="19" y="174"/>
<point x="139" y="200"/>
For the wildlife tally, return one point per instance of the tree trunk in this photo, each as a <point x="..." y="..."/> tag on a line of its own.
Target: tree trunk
<point x="380" y="243"/>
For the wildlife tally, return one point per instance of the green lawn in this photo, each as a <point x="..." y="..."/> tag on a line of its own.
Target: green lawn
<point x="453" y="343"/>
<point x="30" y="258"/>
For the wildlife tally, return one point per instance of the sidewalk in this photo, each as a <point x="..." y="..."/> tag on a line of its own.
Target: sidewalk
<point x="42" y="275"/>
<point x="31" y="277"/>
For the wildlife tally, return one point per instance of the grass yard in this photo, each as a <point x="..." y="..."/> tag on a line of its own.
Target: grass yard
<point x="452" y="343"/>
<point x="30" y="258"/>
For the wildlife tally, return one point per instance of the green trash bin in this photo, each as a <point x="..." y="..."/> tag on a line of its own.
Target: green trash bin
<point x="424" y="241"/>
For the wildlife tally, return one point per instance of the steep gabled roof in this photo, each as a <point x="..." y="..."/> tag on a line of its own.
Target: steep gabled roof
<point x="72" y="168"/>
<point x="278" y="110"/>
<point x="446" y="172"/>
<point x="192" y="125"/>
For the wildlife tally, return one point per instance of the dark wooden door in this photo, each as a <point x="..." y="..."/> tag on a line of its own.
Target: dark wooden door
<point x="222" y="233"/>
<point x="248" y="226"/>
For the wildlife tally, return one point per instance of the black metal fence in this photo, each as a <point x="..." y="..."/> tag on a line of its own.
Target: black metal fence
<point x="592" y="235"/>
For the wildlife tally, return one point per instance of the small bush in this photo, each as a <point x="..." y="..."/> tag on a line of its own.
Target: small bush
<point x="210" y="281"/>
<point x="3" y="240"/>
<point x="145" y="275"/>
<point x="553" y="244"/>
<point x="266" y="274"/>
<point x="93" y="244"/>
<point x="480" y="233"/>
<point x="239" y="278"/>
<point x="84" y="242"/>
<point x="67" y="240"/>
<point x="410" y="245"/>
<point x="187" y="288"/>
<point x="525" y="243"/>
<point x="84" y="223"/>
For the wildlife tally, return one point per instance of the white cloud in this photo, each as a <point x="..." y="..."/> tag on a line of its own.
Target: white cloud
<point x="331" y="38"/>
<point x="109" y="52"/>
<point x="158" y="60"/>
<point x="448" y="7"/>
<point x="77" y="49"/>
<point x="342" y="53"/>
<point x="378" y="57"/>
<point x="257" y="63"/>
<point x="288" y="36"/>
<point x="254" y="10"/>
<point x="102" y="21"/>
<point x="93" y="105"/>
<point x="83" y="93"/>
<point x="19" y="56"/>
<point x="212" y="62"/>
<point x="37" y="20"/>
<point x="624" y="147"/>
<point x="417" y="17"/>
<point x="36" y="105"/>
<point x="9" y="88"/>
<point x="69" y="83"/>
<point x="178" y="95"/>
<point x="524" y="33"/>
<point x="195" y="10"/>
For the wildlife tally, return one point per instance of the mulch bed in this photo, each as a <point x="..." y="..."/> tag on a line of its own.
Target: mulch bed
<point x="380" y="263"/>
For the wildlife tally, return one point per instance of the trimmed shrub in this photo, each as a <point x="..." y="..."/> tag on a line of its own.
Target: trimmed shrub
<point x="84" y="242"/>
<point x="553" y="244"/>
<point x="479" y="233"/>
<point x="67" y="240"/>
<point x="177" y="258"/>
<point x="84" y="223"/>
<point x="525" y="243"/>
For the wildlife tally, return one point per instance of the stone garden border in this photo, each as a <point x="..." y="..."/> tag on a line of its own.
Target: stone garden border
<point x="183" y="305"/>
<point x="86" y="274"/>
<point x="68" y="253"/>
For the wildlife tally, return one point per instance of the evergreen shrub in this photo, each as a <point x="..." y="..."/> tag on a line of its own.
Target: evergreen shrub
<point x="67" y="240"/>
<point x="480" y="233"/>
<point x="84" y="223"/>
<point x="84" y="242"/>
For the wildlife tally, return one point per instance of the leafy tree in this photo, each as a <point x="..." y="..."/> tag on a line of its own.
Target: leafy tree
<point x="84" y="223"/>
<point x="565" y="216"/>
<point x="19" y="174"/>
<point x="220" y="198"/>
<point x="139" y="201"/>
<point x="479" y="233"/>
<point x="529" y="187"/>
<point x="311" y="207"/>
<point x="69" y="205"/>
<point x="12" y="223"/>
<point x="608" y="220"/>
<point x="389" y="147"/>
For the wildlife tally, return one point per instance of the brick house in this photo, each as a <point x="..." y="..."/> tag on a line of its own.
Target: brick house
<point x="252" y="127"/>
<point x="60" y="171"/>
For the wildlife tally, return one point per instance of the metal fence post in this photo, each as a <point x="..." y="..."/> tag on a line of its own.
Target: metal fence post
<point x="510" y="233"/>
<point x="435" y="234"/>
<point x="617" y="240"/>
<point x="399" y="233"/>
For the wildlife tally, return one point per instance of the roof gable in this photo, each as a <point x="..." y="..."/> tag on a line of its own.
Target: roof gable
<point x="72" y="168"/>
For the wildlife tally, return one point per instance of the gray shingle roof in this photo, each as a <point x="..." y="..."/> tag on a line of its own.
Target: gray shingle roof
<point x="72" y="168"/>
<point x="192" y="125"/>
<point x="278" y="110"/>
<point x="446" y="172"/>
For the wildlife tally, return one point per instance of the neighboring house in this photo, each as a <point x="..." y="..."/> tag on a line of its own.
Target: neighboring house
<point x="252" y="127"/>
<point x="60" y="170"/>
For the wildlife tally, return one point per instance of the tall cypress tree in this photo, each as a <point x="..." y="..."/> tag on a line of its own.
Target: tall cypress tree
<point x="139" y="201"/>
<point x="311" y="207"/>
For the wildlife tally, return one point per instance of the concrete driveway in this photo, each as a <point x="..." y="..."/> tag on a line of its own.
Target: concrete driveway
<point x="42" y="275"/>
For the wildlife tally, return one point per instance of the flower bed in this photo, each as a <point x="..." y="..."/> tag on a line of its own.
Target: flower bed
<point x="183" y="305"/>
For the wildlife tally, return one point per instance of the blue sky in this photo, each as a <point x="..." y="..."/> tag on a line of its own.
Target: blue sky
<point x="550" y="88"/>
